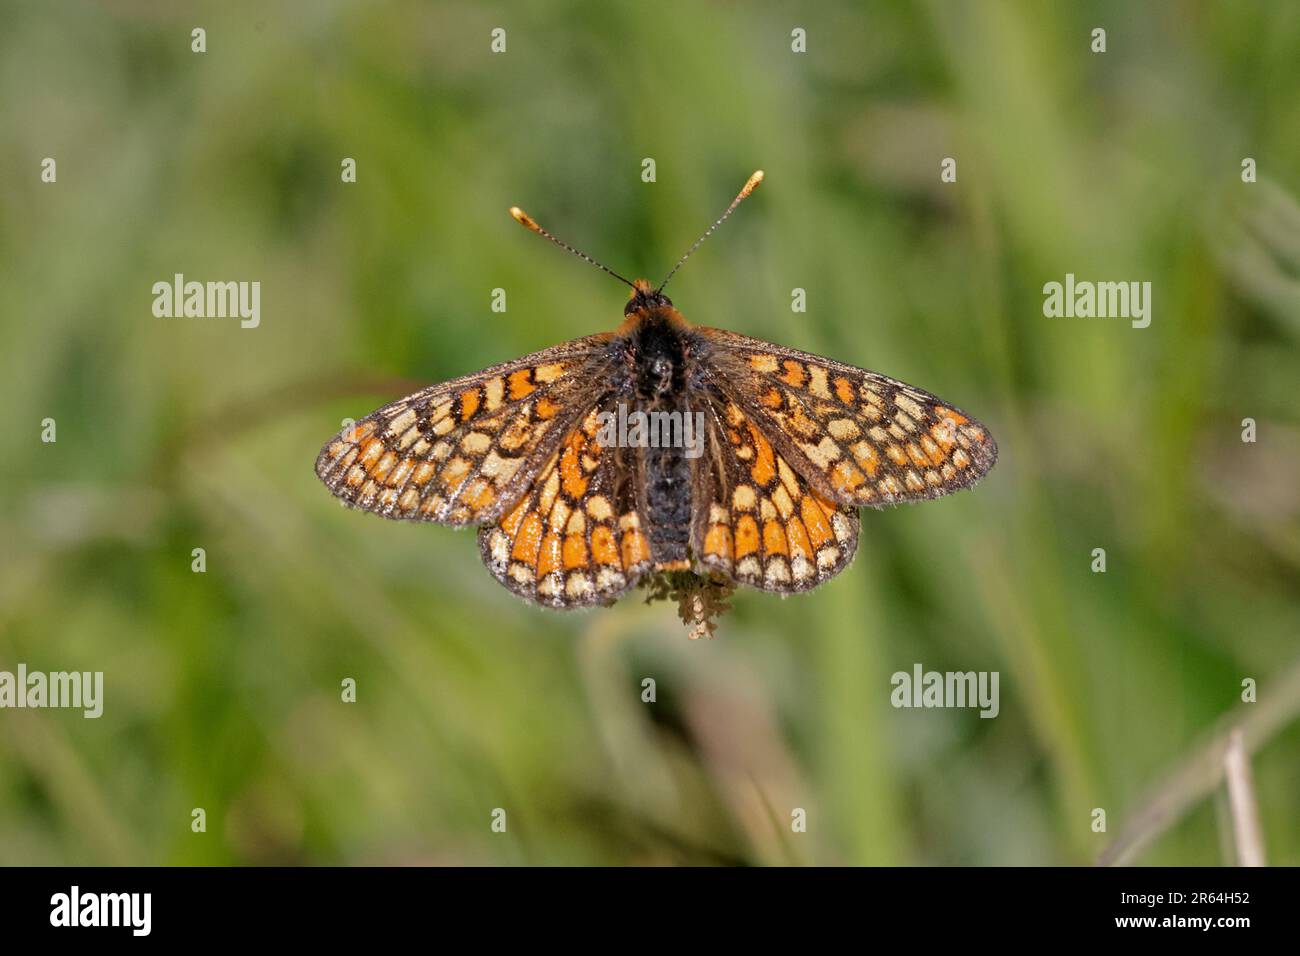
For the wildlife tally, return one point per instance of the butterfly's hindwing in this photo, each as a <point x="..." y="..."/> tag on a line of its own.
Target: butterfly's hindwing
<point x="464" y="451"/>
<point x="577" y="537"/>
<point x="757" y="521"/>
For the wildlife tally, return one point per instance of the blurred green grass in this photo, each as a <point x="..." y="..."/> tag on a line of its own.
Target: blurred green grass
<point x="223" y="688"/>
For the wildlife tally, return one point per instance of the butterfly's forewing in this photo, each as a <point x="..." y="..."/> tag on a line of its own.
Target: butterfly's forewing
<point x="464" y="451"/>
<point x="858" y="437"/>
<point x="756" y="520"/>
<point x="576" y="538"/>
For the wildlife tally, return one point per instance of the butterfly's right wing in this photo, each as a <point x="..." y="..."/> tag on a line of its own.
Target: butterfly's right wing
<point x="464" y="451"/>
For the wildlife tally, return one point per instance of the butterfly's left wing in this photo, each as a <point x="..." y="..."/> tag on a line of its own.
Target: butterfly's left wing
<point x="858" y="437"/>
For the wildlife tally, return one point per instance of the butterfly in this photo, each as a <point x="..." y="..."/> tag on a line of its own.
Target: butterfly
<point x="784" y="448"/>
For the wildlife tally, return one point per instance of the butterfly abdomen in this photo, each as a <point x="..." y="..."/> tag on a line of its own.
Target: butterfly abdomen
<point x="659" y="354"/>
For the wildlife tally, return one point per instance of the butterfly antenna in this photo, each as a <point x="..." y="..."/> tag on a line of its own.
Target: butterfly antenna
<point x="528" y="222"/>
<point x="750" y="185"/>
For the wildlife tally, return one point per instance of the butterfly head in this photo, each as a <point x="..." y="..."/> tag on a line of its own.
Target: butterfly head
<point x="645" y="298"/>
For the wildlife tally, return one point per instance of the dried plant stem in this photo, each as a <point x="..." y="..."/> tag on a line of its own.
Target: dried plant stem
<point x="1197" y="776"/>
<point x="1246" y="831"/>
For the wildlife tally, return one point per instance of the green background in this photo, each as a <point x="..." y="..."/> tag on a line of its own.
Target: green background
<point x="223" y="688"/>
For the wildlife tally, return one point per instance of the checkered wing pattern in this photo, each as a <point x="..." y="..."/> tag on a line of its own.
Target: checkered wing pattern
<point x="794" y="445"/>
<point x="857" y="437"/>
<point x="576" y="538"/>
<point x="758" y="521"/>
<point x="464" y="452"/>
